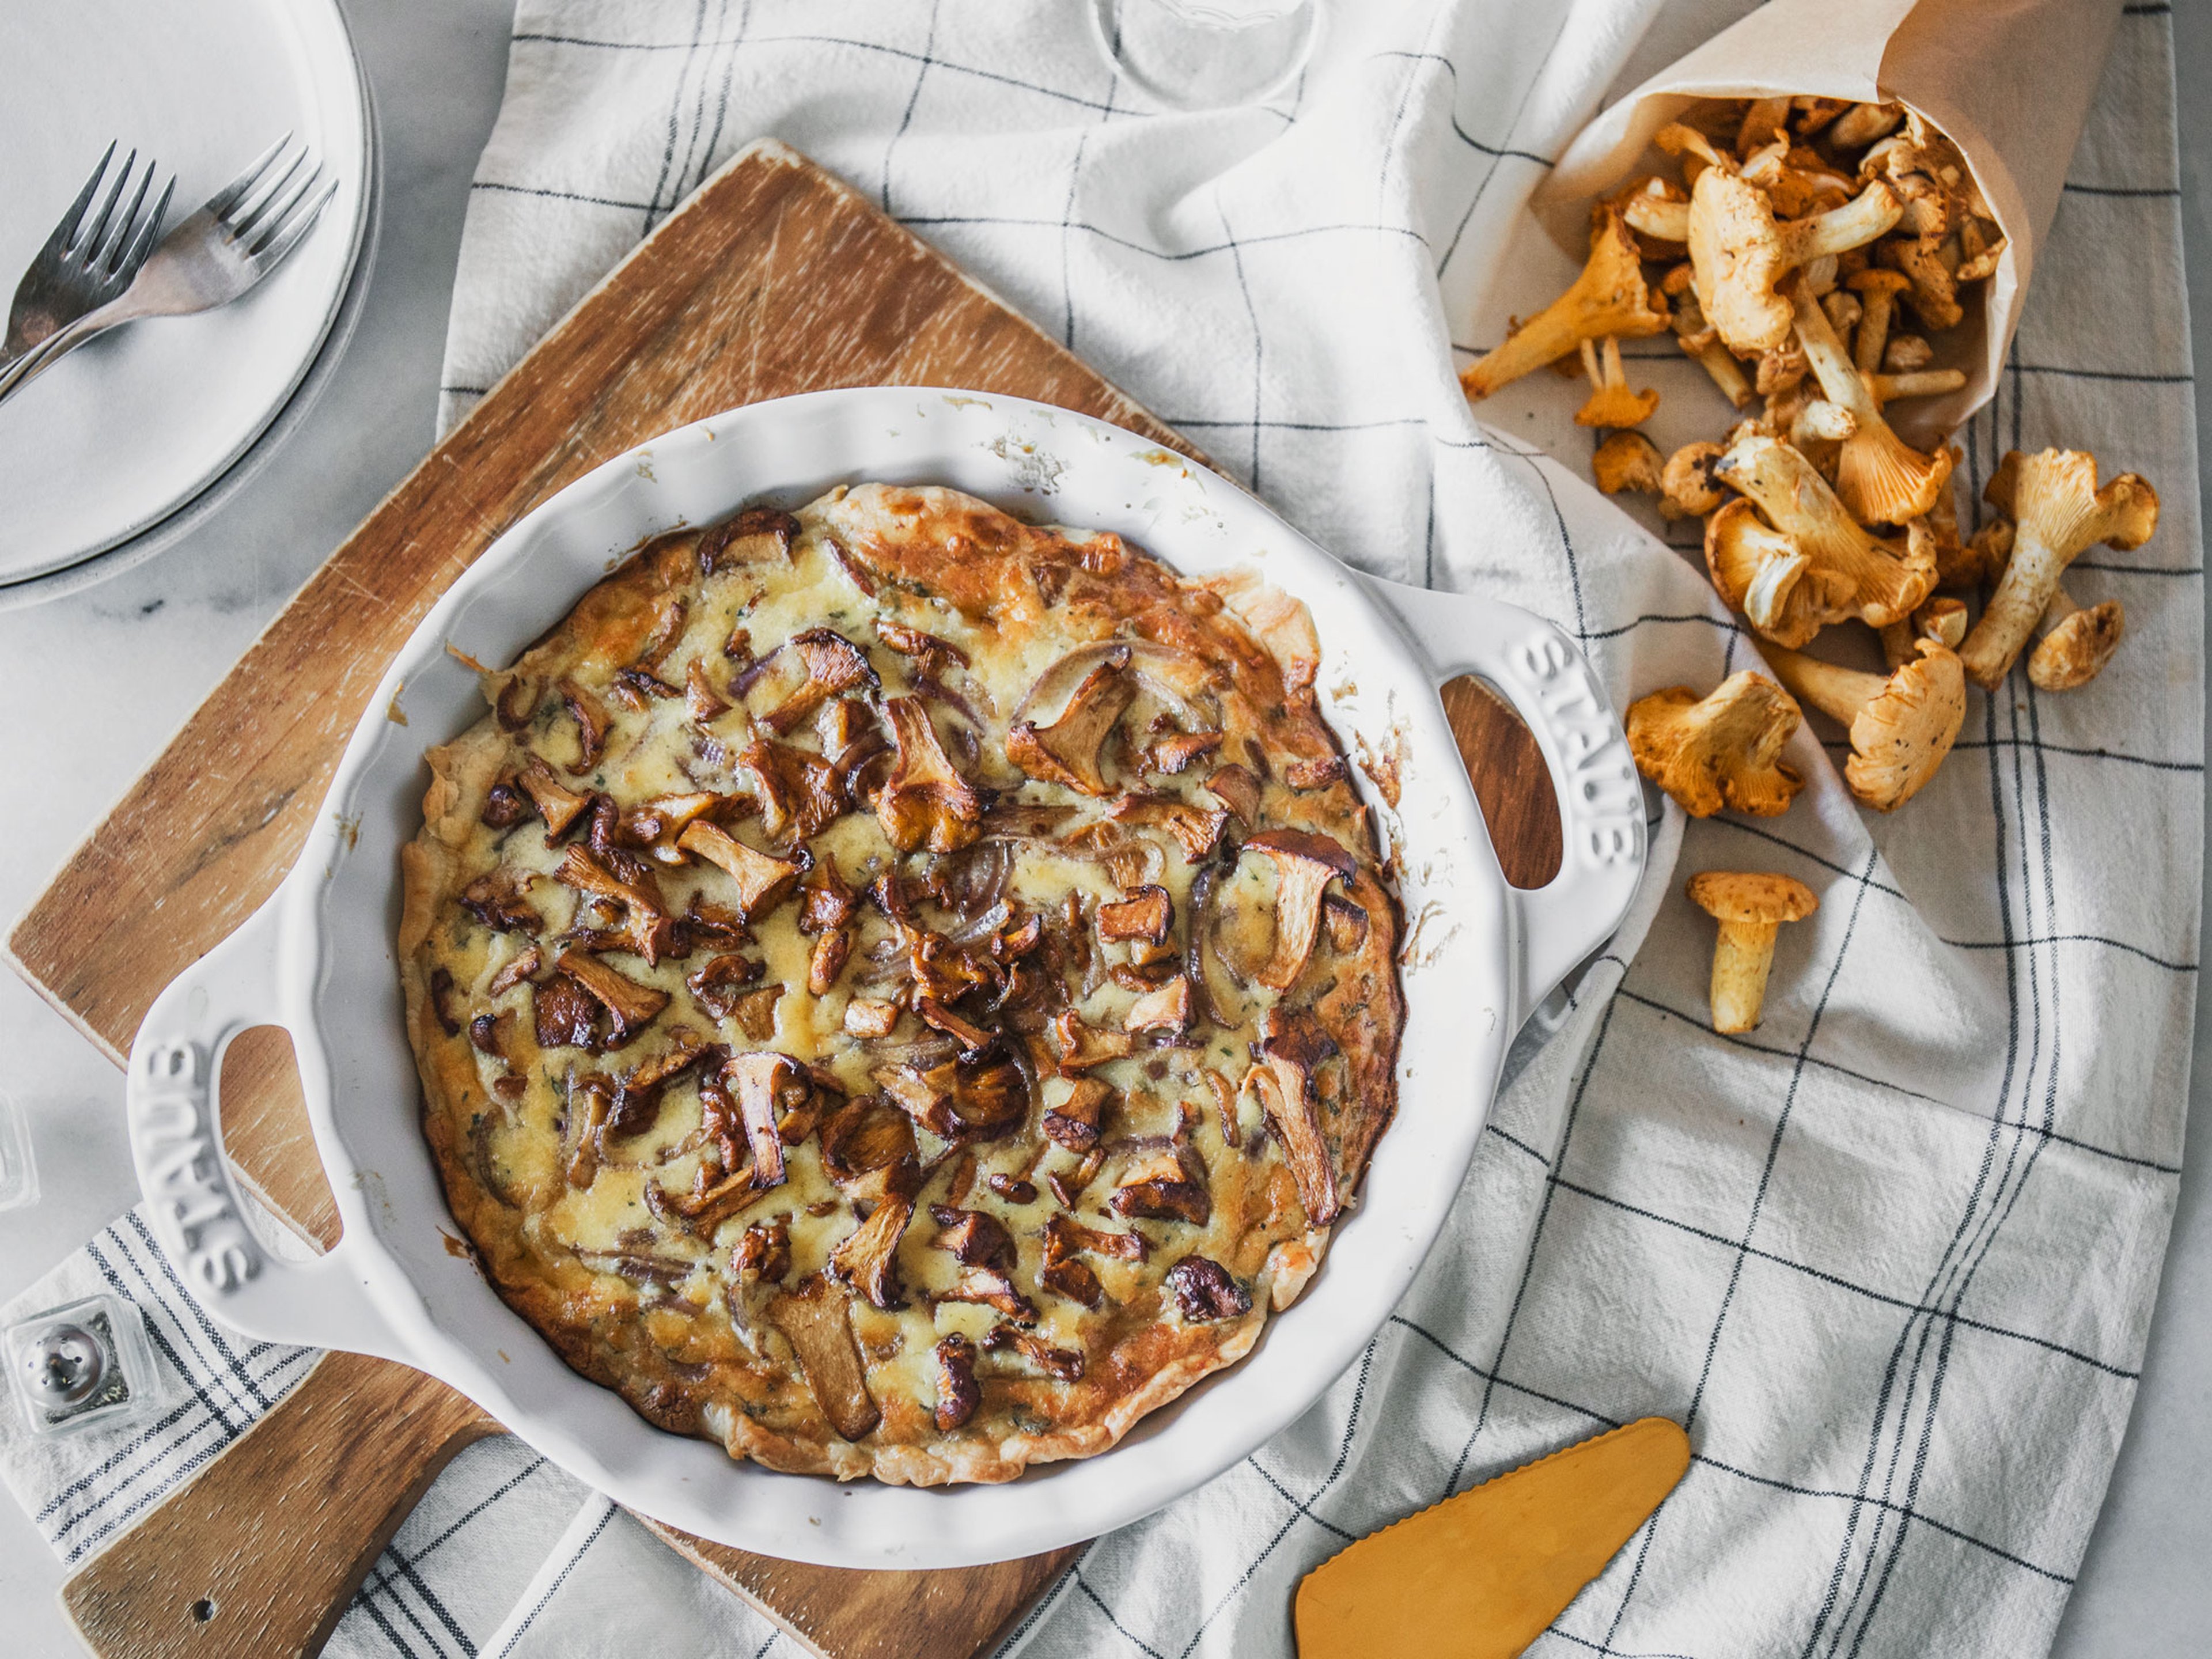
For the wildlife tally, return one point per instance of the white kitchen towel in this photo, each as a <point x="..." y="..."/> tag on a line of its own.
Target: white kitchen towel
<point x="1892" y="1257"/>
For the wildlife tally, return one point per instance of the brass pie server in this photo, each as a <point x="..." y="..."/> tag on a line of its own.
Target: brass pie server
<point x="1480" y="1575"/>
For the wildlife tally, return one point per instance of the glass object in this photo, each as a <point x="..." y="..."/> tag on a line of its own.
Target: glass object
<point x="1207" y="54"/>
<point x="19" y="1172"/>
<point x="82" y="1365"/>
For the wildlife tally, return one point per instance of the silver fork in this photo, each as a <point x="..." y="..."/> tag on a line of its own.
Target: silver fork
<point x="218" y="253"/>
<point x="84" y="266"/>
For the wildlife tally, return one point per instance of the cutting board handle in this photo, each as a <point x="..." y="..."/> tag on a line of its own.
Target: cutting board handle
<point x="171" y="1095"/>
<point x="261" y="1554"/>
<point x="1549" y="682"/>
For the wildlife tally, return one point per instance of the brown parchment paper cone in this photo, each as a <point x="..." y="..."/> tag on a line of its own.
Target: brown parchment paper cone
<point x="2008" y="81"/>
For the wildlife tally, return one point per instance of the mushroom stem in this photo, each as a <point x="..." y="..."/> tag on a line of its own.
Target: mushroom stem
<point x="1877" y="289"/>
<point x="1916" y="383"/>
<point x="1881" y="479"/>
<point x="1839" y="693"/>
<point x="1612" y="402"/>
<point x="1741" y="960"/>
<point x="1656" y="217"/>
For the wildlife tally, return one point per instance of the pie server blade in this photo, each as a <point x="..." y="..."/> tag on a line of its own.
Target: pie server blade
<point x="1480" y="1575"/>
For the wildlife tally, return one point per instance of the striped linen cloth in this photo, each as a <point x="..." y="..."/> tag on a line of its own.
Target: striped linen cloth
<point x="1892" y="1257"/>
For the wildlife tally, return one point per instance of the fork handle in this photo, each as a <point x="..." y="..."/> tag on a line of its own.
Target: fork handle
<point x="22" y="371"/>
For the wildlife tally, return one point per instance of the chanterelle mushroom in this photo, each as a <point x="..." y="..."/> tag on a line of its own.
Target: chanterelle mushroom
<point x="1067" y="751"/>
<point x="1292" y="1047"/>
<point x="2076" y="644"/>
<point x="1881" y="479"/>
<point x="1723" y="750"/>
<point x="1751" y="910"/>
<point x="1741" y="252"/>
<point x="1686" y="490"/>
<point x="1700" y="340"/>
<point x="1305" y="862"/>
<point x="1611" y="403"/>
<point x="759" y="1081"/>
<point x="1609" y="297"/>
<point x="924" y="801"/>
<point x="833" y="663"/>
<point x="1167" y="1009"/>
<point x="1941" y="619"/>
<point x="1877" y="288"/>
<point x="1793" y="560"/>
<point x="1628" y="460"/>
<point x="815" y="1320"/>
<point x="630" y="1005"/>
<point x="958" y="1394"/>
<point x="2057" y="512"/>
<point x="1902" y="725"/>
<point x="867" y="1257"/>
<point x="1197" y="829"/>
<point x="762" y="878"/>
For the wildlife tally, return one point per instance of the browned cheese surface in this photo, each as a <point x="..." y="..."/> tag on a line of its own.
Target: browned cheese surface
<point x="854" y="997"/>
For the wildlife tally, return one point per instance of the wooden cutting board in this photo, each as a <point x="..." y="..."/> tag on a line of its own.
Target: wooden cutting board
<point x="774" y="278"/>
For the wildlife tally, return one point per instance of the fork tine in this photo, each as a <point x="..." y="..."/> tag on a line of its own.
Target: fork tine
<point x="280" y="243"/>
<point x="65" y="232"/>
<point x="134" y="254"/>
<point x="88" y="245"/>
<point x="269" y="217"/>
<point x="109" y="259"/>
<point x="251" y="216"/>
<point x="226" y="198"/>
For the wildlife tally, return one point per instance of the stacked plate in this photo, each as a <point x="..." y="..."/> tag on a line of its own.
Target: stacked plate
<point x="120" y="449"/>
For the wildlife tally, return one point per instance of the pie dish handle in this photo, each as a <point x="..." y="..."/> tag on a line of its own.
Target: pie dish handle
<point x="170" y="1096"/>
<point x="1550" y="685"/>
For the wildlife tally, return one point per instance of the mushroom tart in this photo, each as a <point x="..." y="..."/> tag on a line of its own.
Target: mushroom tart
<point x="898" y="991"/>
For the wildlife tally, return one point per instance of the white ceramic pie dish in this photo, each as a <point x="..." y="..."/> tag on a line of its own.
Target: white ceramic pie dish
<point x="318" y="959"/>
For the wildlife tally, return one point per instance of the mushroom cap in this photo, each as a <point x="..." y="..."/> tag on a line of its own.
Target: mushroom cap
<point x="1760" y="572"/>
<point x="1943" y="618"/>
<point x="1820" y="420"/>
<point x="1687" y="486"/>
<point x="1903" y="733"/>
<point x="1875" y="279"/>
<point x="1736" y="249"/>
<point x="1884" y="480"/>
<point x="1628" y="460"/>
<point x="1751" y="896"/>
<point x="2075" y="651"/>
<point x="1617" y="406"/>
<point x="1719" y="750"/>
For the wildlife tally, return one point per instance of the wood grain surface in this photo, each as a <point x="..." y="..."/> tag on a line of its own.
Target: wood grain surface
<point x="775" y="278"/>
<point x="220" y="1574"/>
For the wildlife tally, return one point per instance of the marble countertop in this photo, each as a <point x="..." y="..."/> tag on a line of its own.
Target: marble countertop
<point x="167" y="631"/>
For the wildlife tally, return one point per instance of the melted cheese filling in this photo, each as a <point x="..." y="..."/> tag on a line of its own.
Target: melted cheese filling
<point x="602" y="1244"/>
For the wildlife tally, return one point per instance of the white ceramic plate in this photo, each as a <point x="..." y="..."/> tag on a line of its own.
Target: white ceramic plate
<point x="318" y="960"/>
<point x="127" y="430"/>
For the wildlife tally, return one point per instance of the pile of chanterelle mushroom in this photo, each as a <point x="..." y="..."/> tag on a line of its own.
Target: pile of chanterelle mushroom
<point x="1803" y="235"/>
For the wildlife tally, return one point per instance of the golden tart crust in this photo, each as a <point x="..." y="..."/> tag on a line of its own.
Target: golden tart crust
<point x="898" y="991"/>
